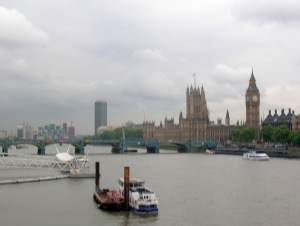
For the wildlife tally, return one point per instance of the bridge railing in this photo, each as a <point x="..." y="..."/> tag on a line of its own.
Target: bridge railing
<point x="206" y="139"/>
<point x="32" y="161"/>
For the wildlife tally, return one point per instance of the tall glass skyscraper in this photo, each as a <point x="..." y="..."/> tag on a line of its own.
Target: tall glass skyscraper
<point x="100" y="114"/>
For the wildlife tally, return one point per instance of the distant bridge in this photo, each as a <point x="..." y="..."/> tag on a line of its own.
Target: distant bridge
<point x="120" y="146"/>
<point x="153" y="146"/>
<point x="41" y="145"/>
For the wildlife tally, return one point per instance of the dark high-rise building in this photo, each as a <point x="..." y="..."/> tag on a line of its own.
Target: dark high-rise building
<point x="100" y="114"/>
<point x="71" y="130"/>
<point x="65" y="127"/>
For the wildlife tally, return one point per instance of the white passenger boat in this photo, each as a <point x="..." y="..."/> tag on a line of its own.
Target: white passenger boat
<point x="210" y="151"/>
<point x="142" y="200"/>
<point x="253" y="155"/>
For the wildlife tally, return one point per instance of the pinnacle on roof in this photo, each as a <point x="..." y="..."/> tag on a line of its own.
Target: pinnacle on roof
<point x="202" y="91"/>
<point x="252" y="75"/>
<point x="180" y="115"/>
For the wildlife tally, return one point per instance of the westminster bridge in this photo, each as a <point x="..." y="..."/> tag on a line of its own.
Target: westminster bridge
<point x="120" y="146"/>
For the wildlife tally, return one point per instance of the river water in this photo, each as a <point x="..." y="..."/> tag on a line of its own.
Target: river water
<point x="192" y="189"/>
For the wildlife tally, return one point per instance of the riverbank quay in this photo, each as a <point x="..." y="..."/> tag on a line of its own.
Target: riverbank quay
<point x="278" y="153"/>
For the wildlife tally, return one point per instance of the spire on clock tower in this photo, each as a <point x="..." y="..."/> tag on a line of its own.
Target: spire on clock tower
<point x="252" y="83"/>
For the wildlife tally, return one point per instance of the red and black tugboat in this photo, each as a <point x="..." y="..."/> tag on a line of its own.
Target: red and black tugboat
<point x="105" y="198"/>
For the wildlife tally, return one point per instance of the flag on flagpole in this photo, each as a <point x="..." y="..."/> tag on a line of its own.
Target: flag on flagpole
<point x="194" y="74"/>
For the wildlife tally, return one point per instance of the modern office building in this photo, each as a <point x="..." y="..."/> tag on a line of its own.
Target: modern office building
<point x="24" y="131"/>
<point x="71" y="130"/>
<point x="65" y="127"/>
<point x="55" y="132"/>
<point x="3" y="134"/>
<point x="100" y="114"/>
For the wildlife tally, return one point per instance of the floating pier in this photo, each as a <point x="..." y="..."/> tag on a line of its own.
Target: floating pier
<point x="81" y="173"/>
<point x="32" y="161"/>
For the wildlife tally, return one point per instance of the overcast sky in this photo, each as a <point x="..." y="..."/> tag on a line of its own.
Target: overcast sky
<point x="58" y="57"/>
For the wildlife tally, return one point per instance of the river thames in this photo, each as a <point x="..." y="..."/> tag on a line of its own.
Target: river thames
<point x="192" y="189"/>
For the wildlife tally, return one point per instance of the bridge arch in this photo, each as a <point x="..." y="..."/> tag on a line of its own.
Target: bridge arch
<point x="181" y="146"/>
<point x="41" y="145"/>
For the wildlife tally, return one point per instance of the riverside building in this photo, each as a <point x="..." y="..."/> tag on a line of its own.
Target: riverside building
<point x="197" y="125"/>
<point x="291" y="120"/>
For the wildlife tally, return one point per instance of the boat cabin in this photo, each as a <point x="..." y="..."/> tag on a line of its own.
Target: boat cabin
<point x="133" y="183"/>
<point x="136" y="185"/>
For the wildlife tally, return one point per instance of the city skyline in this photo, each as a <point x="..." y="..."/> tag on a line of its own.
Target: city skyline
<point x="57" y="59"/>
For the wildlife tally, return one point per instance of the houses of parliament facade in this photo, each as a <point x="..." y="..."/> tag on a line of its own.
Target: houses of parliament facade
<point x="197" y="125"/>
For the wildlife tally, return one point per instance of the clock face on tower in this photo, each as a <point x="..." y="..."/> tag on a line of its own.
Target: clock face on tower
<point x="254" y="98"/>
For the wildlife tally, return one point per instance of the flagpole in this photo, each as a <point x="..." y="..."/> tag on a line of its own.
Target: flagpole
<point x="194" y="80"/>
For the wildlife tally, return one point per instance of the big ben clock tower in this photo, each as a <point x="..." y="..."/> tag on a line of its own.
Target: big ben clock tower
<point x="252" y="105"/>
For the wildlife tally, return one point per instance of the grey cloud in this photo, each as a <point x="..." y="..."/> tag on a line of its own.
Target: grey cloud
<point x="228" y="82"/>
<point x="138" y="56"/>
<point x="267" y="11"/>
<point x="17" y="31"/>
<point x="149" y="54"/>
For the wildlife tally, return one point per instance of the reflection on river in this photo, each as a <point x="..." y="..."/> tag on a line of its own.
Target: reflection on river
<point x="192" y="189"/>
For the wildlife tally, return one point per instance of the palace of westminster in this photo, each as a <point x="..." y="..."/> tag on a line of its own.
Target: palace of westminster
<point x="197" y="124"/>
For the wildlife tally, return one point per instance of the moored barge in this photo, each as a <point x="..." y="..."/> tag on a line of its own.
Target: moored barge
<point x="108" y="199"/>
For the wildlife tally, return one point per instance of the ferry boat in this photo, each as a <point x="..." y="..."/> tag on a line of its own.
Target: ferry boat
<point x="142" y="200"/>
<point x="210" y="151"/>
<point x="253" y="155"/>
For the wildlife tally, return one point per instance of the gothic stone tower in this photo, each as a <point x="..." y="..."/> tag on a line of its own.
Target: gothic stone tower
<point x="252" y="105"/>
<point x="197" y="115"/>
<point x="227" y="119"/>
<point x="196" y="106"/>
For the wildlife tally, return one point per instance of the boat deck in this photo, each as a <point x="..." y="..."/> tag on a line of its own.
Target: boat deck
<point x="108" y="199"/>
